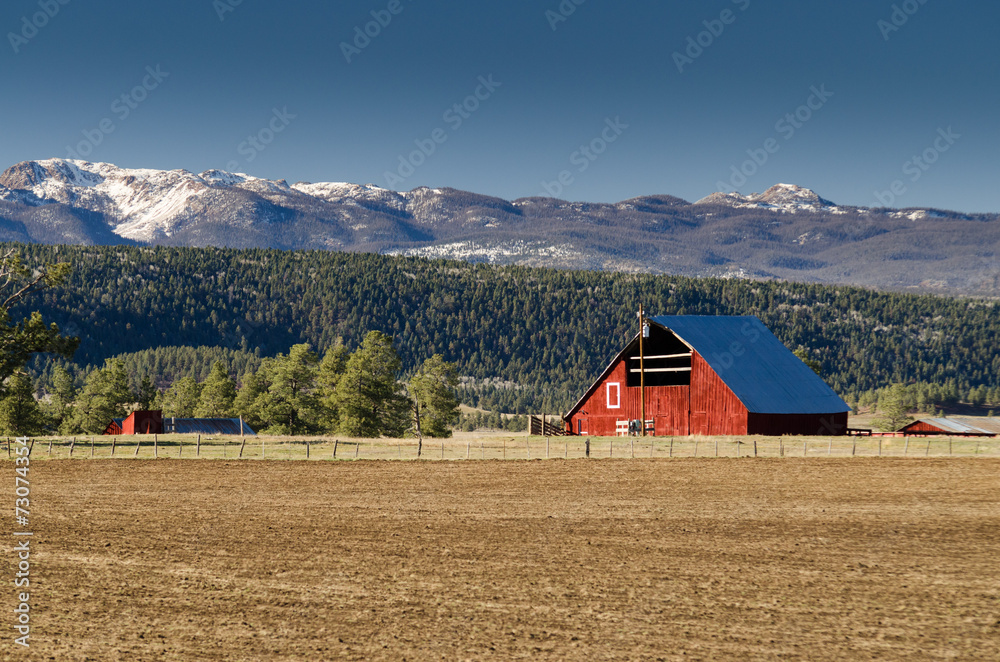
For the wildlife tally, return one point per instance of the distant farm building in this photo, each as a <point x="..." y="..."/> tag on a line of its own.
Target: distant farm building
<point x="709" y="375"/>
<point x="152" y="422"/>
<point x="952" y="427"/>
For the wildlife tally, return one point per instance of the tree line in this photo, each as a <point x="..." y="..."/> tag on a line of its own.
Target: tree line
<point x="356" y="393"/>
<point x="524" y="340"/>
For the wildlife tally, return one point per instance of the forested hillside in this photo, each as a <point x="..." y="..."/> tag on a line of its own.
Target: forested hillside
<point x="525" y="339"/>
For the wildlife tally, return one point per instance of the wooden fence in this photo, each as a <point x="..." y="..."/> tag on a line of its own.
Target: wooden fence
<point x="501" y="448"/>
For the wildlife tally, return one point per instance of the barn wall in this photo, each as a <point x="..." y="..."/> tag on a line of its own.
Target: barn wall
<point x="806" y="424"/>
<point x="669" y="407"/>
<point x="143" y="422"/>
<point x="715" y="409"/>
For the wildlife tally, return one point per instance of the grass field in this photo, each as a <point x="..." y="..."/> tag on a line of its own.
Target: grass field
<point x="684" y="559"/>
<point x="487" y="446"/>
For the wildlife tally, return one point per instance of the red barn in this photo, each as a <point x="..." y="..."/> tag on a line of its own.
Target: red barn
<point x="152" y="422"/>
<point x="138" y="422"/>
<point x="948" y="426"/>
<point x="709" y="375"/>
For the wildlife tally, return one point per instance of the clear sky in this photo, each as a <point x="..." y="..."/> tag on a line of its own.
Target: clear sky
<point x="664" y="97"/>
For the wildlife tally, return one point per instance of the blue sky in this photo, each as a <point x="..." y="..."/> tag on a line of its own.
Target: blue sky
<point x="663" y="97"/>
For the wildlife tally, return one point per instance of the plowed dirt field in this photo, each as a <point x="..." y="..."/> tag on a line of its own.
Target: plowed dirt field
<point x="691" y="559"/>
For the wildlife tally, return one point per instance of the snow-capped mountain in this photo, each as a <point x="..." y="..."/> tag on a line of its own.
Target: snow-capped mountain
<point x="785" y="232"/>
<point x="786" y="198"/>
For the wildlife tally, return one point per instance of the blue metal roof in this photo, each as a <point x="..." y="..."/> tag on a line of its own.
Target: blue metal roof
<point x="763" y="373"/>
<point x="206" y="426"/>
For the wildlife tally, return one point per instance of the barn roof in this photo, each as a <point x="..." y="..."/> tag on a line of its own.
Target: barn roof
<point x="206" y="426"/>
<point x="951" y="425"/>
<point x="764" y="374"/>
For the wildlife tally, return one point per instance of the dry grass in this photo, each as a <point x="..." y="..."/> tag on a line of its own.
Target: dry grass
<point x="493" y="446"/>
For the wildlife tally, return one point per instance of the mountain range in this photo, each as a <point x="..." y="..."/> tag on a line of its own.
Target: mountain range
<point x="787" y="232"/>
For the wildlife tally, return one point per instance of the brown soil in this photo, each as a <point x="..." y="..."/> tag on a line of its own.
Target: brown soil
<point x="824" y="559"/>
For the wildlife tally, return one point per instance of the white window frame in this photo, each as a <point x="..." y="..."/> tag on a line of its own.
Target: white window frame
<point x="618" y="394"/>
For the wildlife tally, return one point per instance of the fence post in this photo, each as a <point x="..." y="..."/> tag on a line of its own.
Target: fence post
<point x="114" y="440"/>
<point x="527" y="447"/>
<point x="854" y="446"/>
<point x="442" y="449"/>
<point x="565" y="449"/>
<point x="906" y="446"/>
<point x="755" y="447"/>
<point x="880" y="446"/>
<point x="716" y="447"/>
<point x="468" y="449"/>
<point x="829" y="449"/>
<point x="91" y="447"/>
<point x="307" y="449"/>
<point x="197" y="450"/>
<point x="50" y="446"/>
<point x="8" y="447"/>
<point x="611" y="448"/>
<point x="805" y="447"/>
<point x="781" y="447"/>
<point x="546" y="448"/>
<point x="587" y="447"/>
<point x="180" y="447"/>
<point x="949" y="446"/>
<point x="631" y="447"/>
<point x="243" y="444"/>
<point x="335" y="443"/>
<point x="71" y="445"/>
<point x="928" y="451"/>
<point x="138" y="443"/>
<point x="357" y="449"/>
<point x="671" y="454"/>
<point x="156" y="453"/>
<point x="31" y="446"/>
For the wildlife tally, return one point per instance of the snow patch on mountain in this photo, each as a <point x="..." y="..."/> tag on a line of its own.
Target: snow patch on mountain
<point x="497" y="253"/>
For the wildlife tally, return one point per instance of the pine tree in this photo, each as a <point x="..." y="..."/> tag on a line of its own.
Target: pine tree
<point x="182" y="398"/>
<point x="62" y="395"/>
<point x="289" y="405"/>
<point x="218" y="392"/>
<point x="19" y="411"/>
<point x="893" y="407"/>
<point x="432" y="389"/>
<point x="147" y="394"/>
<point x="105" y="395"/>
<point x="19" y="341"/>
<point x="369" y="400"/>
<point x="331" y="370"/>
<point x="253" y="386"/>
<point x="813" y="364"/>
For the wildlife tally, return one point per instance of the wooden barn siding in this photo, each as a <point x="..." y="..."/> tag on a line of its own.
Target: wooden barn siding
<point x="715" y="409"/>
<point x="805" y="424"/>
<point x="671" y="408"/>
